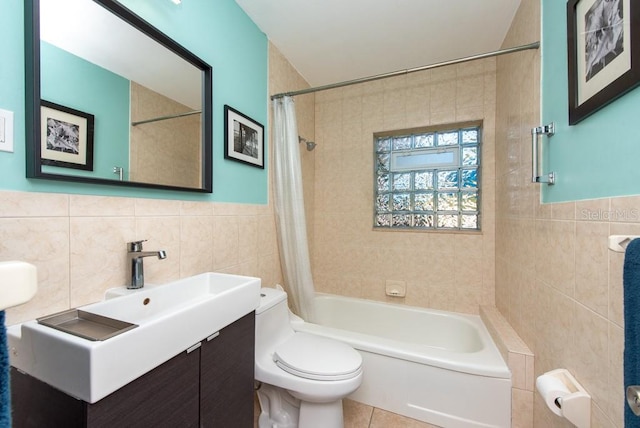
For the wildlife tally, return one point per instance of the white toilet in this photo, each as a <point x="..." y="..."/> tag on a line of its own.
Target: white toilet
<point x="303" y="378"/>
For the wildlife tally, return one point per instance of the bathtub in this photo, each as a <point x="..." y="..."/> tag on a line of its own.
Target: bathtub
<point x="438" y="367"/>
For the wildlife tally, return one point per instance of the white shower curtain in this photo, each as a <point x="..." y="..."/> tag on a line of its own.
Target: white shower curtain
<point x="289" y="204"/>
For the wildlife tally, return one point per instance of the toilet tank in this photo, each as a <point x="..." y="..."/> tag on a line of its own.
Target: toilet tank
<point x="272" y="320"/>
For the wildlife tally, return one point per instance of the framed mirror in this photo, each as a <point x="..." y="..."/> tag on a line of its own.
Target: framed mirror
<point x="112" y="100"/>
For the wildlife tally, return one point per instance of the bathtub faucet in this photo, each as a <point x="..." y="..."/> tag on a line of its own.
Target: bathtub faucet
<point x="136" y="256"/>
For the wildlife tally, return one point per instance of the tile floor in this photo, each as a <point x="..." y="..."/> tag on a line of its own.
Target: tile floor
<point x="358" y="415"/>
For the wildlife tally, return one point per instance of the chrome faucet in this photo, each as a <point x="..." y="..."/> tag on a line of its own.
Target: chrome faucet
<point x="136" y="256"/>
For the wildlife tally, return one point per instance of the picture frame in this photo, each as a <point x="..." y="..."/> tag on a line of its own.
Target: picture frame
<point x="244" y="138"/>
<point x="603" y="38"/>
<point x="66" y="137"/>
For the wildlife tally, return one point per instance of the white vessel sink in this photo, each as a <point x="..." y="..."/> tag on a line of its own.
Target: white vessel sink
<point x="170" y="318"/>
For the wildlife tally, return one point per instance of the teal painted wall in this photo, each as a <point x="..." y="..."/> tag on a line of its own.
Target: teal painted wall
<point x="217" y="31"/>
<point x="70" y="81"/>
<point x="600" y="156"/>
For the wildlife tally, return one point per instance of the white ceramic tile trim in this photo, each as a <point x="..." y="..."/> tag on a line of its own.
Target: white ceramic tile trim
<point x="502" y="332"/>
<point x="521" y="363"/>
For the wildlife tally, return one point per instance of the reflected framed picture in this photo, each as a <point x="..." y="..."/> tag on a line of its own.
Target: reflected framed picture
<point x="66" y="137"/>
<point x="603" y="52"/>
<point x="244" y="138"/>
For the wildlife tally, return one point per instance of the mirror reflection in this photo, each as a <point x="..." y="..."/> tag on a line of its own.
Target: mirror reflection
<point x="119" y="104"/>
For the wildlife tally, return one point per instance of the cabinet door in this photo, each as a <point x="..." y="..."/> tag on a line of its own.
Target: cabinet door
<point x="38" y="405"/>
<point x="167" y="396"/>
<point x="226" y="376"/>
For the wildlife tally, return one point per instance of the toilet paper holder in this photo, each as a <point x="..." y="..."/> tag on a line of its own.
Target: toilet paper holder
<point x="569" y="398"/>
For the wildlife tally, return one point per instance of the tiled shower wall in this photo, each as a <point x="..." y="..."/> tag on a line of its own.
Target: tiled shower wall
<point x="154" y="155"/>
<point x="451" y="271"/>
<point x="556" y="282"/>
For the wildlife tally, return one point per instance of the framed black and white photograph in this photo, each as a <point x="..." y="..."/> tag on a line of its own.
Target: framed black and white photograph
<point x="244" y="138"/>
<point x="66" y="137"/>
<point x="603" y="53"/>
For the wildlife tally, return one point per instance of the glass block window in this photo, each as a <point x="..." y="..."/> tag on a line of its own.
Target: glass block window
<point x="428" y="180"/>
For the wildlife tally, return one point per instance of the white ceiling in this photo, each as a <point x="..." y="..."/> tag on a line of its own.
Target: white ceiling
<point x="330" y="41"/>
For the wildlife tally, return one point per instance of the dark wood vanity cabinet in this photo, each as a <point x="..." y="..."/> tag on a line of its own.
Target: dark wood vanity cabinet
<point x="167" y="396"/>
<point x="212" y="386"/>
<point x="226" y="376"/>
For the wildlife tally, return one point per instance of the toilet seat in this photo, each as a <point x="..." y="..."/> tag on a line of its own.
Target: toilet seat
<point x="317" y="358"/>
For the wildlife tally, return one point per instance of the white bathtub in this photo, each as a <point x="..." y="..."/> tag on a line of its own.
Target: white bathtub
<point x="434" y="366"/>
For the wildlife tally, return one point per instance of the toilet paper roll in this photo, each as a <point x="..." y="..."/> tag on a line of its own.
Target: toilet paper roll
<point x="551" y="389"/>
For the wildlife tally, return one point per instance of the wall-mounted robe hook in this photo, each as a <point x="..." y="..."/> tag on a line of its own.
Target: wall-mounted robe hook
<point x="547" y="130"/>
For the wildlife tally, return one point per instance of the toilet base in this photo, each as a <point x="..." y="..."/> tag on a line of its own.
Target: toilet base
<point x="321" y="415"/>
<point x="280" y="409"/>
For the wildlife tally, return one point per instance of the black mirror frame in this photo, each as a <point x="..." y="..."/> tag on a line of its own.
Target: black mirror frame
<point x="32" y="98"/>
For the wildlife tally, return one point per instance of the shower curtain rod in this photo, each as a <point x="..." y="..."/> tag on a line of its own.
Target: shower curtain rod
<point x="174" y="116"/>
<point x="534" y="45"/>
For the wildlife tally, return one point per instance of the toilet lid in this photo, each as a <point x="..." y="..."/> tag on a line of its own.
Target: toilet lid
<point x="317" y="358"/>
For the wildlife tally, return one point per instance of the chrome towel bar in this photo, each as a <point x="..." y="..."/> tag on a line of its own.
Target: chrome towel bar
<point x="547" y="130"/>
